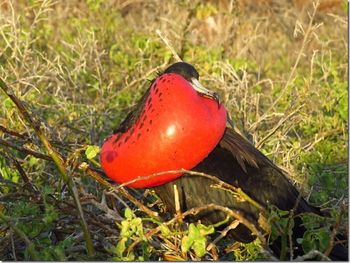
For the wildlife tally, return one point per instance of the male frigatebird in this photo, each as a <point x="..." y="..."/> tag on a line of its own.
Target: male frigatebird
<point x="178" y="124"/>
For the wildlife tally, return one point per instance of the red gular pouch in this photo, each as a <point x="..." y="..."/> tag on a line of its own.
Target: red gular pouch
<point x="176" y="129"/>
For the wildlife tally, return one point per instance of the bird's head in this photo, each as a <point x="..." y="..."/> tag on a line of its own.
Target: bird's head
<point x="188" y="72"/>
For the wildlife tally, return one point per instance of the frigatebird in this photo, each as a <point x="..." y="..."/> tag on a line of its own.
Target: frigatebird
<point x="179" y="124"/>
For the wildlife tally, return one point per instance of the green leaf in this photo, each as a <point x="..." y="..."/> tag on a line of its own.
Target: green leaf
<point x="193" y="231"/>
<point x="186" y="244"/>
<point x="199" y="246"/>
<point x="33" y="161"/>
<point x="299" y="241"/>
<point x="136" y="225"/>
<point x="324" y="238"/>
<point x="128" y="213"/>
<point x="196" y="239"/>
<point x="315" y="239"/>
<point x="165" y="230"/>
<point x="205" y="230"/>
<point x="92" y="151"/>
<point x="124" y="232"/>
<point x="50" y="214"/>
<point x="120" y="248"/>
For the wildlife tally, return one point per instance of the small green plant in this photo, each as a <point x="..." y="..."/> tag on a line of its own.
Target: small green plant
<point x="91" y="152"/>
<point x="196" y="239"/>
<point x="130" y="229"/>
<point x="248" y="252"/>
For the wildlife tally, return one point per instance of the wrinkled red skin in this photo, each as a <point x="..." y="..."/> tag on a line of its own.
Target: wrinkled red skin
<point x="177" y="129"/>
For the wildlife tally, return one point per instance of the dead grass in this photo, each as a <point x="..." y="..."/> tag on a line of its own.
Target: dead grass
<point x="79" y="66"/>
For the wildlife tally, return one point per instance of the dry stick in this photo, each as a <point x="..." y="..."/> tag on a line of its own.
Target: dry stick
<point x="311" y="255"/>
<point x="279" y="124"/>
<point x="233" y="225"/>
<point x="118" y="198"/>
<point x="120" y="189"/>
<point x="177" y="202"/>
<point x="24" y="176"/>
<point x="291" y="75"/>
<point x="13" y="133"/>
<point x="103" y="207"/>
<point x="90" y="198"/>
<point x="166" y="41"/>
<point x="13" y="246"/>
<point x="26" y="137"/>
<point x="68" y="209"/>
<point x="56" y="158"/>
<point x="92" y="219"/>
<point x="16" y="196"/>
<point x="25" y="150"/>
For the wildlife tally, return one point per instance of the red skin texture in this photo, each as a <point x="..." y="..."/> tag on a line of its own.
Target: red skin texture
<point x="177" y="129"/>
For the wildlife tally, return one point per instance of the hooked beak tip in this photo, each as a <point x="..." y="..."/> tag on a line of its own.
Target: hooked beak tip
<point x="216" y="97"/>
<point x="204" y="92"/>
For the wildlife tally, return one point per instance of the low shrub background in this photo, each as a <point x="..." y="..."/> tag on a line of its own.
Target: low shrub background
<point x="79" y="67"/>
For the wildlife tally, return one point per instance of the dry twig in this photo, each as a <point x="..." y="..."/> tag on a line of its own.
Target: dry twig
<point x="312" y="255"/>
<point x="167" y="43"/>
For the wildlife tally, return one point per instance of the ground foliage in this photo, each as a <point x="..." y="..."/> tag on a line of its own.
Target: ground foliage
<point x="78" y="67"/>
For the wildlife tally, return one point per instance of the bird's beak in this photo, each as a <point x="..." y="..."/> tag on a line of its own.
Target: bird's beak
<point x="205" y="92"/>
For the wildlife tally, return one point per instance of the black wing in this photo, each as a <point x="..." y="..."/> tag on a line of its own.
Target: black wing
<point x="133" y="115"/>
<point x="255" y="174"/>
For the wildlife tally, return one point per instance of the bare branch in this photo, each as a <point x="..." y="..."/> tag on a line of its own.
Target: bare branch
<point x="167" y="43"/>
<point x="312" y="255"/>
